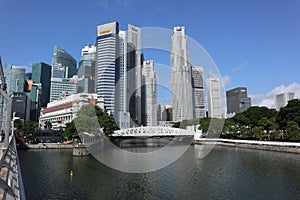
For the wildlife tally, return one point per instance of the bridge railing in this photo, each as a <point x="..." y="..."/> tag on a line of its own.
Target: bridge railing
<point x="11" y="182"/>
<point x="144" y="131"/>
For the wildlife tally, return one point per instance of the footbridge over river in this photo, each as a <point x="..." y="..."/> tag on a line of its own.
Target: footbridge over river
<point x="152" y="131"/>
<point x="11" y="183"/>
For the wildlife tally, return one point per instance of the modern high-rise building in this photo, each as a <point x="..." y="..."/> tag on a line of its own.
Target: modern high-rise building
<point x="214" y="98"/>
<point x="120" y="101"/>
<point x="63" y="64"/>
<point x="134" y="74"/>
<point x="40" y="94"/>
<point x="107" y="63"/>
<point x="281" y="100"/>
<point x="62" y="86"/>
<point x="164" y="112"/>
<point x="149" y="96"/>
<point x="237" y="100"/>
<point x="122" y="116"/>
<point x="198" y="92"/>
<point x="20" y="105"/>
<point x="15" y="77"/>
<point x="182" y="92"/>
<point x="86" y="71"/>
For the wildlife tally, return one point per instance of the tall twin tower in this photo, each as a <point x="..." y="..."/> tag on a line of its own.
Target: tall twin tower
<point x="128" y="83"/>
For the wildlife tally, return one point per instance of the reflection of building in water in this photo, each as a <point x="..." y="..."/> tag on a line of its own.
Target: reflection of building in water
<point x="63" y="111"/>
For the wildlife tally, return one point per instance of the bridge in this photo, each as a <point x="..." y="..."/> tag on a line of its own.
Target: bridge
<point x="152" y="131"/>
<point x="11" y="183"/>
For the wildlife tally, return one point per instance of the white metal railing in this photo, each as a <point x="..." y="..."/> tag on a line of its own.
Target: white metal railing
<point x="11" y="182"/>
<point x="148" y="131"/>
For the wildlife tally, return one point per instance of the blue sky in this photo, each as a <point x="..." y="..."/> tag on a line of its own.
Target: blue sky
<point x="254" y="43"/>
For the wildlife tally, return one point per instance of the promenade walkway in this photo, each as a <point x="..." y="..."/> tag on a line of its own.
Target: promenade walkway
<point x="11" y="183"/>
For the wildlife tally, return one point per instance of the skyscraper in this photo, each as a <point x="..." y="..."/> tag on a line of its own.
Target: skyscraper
<point x="134" y="73"/>
<point x="198" y="92"/>
<point x="182" y="98"/>
<point x="237" y="100"/>
<point x="149" y="96"/>
<point x="86" y="71"/>
<point x="281" y="100"/>
<point x="15" y="76"/>
<point x="63" y="64"/>
<point x="122" y="116"/>
<point x="41" y="73"/>
<point x="214" y="98"/>
<point x="120" y="101"/>
<point x="20" y="105"/>
<point x="107" y="63"/>
<point x="62" y="87"/>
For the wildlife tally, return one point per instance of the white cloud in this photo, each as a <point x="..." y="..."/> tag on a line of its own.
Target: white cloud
<point x="268" y="98"/>
<point x="240" y="67"/>
<point x="226" y="80"/>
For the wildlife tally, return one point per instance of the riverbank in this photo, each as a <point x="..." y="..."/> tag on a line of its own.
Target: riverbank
<point x="49" y="146"/>
<point x="289" y="147"/>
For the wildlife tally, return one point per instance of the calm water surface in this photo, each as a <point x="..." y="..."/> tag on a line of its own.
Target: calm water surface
<point x="226" y="173"/>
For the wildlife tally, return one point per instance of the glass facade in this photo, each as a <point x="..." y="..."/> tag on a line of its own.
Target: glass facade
<point x="63" y="64"/>
<point x="15" y="77"/>
<point x="60" y="86"/>
<point x="86" y="71"/>
<point x="198" y="92"/>
<point x="107" y="66"/>
<point x="41" y="73"/>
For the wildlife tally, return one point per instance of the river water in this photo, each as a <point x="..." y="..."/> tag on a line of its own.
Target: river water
<point x="226" y="173"/>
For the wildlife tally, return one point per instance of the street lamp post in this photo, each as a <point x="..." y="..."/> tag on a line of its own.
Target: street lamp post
<point x="13" y="123"/>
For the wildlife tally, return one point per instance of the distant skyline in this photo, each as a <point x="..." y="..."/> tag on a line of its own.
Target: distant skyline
<point x="255" y="44"/>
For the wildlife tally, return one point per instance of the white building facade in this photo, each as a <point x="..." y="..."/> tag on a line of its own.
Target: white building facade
<point x="149" y="95"/>
<point x="182" y="98"/>
<point x="60" y="86"/>
<point x="63" y="111"/>
<point x="281" y="100"/>
<point x="214" y="98"/>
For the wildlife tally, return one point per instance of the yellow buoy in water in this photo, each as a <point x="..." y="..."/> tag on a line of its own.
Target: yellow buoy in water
<point x="71" y="173"/>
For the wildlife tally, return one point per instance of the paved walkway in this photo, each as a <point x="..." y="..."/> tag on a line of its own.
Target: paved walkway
<point x="3" y="170"/>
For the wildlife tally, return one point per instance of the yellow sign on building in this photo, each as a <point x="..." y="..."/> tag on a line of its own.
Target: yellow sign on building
<point x="104" y="32"/>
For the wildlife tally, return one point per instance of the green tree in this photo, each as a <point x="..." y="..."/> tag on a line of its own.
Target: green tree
<point x="29" y="126"/>
<point x="69" y="131"/>
<point x="252" y="115"/>
<point x="89" y="118"/>
<point x="258" y="132"/>
<point x="230" y="127"/>
<point x="204" y="124"/>
<point x="19" y="127"/>
<point x="289" y="113"/>
<point x="293" y="131"/>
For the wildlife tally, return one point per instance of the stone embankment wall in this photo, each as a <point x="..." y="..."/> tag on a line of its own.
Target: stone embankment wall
<point x="291" y="147"/>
